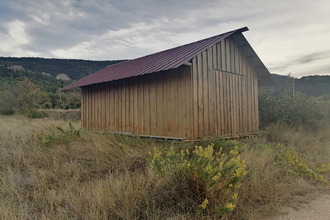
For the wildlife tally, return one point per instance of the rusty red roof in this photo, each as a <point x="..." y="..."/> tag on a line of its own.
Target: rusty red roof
<point x="164" y="60"/>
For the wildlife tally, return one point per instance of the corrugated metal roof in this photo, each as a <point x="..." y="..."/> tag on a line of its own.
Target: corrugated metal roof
<point x="164" y="60"/>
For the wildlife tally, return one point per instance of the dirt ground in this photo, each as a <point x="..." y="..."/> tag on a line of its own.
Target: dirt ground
<point x="315" y="207"/>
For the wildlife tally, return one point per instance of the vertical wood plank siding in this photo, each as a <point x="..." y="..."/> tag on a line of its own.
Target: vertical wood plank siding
<point x="216" y="95"/>
<point x="159" y="104"/>
<point x="226" y="101"/>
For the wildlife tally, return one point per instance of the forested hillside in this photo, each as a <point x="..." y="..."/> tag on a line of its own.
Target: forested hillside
<point x="9" y="75"/>
<point x="75" y="69"/>
<point x="47" y="74"/>
<point x="310" y="85"/>
<point x="44" y="72"/>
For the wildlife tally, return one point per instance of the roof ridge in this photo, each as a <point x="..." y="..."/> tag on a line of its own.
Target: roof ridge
<point x="194" y="42"/>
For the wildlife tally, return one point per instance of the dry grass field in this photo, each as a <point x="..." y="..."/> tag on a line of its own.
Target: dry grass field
<point x="50" y="169"/>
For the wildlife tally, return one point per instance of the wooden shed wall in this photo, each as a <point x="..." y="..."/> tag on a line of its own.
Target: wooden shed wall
<point x="157" y="105"/>
<point x="216" y="95"/>
<point x="225" y="92"/>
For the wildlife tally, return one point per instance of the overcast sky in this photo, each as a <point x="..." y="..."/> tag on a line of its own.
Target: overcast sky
<point x="290" y="36"/>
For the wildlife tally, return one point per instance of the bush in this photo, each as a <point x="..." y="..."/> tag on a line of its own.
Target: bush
<point x="66" y="100"/>
<point x="23" y="98"/>
<point x="212" y="177"/>
<point x="298" y="110"/>
<point x="7" y="102"/>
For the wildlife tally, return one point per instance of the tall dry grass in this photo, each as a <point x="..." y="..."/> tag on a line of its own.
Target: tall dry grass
<point x="95" y="176"/>
<point x="271" y="180"/>
<point x="106" y="176"/>
<point x="312" y="144"/>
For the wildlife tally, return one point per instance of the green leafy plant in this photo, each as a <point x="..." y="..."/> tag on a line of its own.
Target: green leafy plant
<point x="60" y="135"/>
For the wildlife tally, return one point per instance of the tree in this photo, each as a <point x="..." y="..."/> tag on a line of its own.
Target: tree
<point x="28" y="95"/>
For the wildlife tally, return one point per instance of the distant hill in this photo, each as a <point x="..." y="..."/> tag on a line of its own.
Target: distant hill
<point x="75" y="69"/>
<point x="52" y="74"/>
<point x="310" y="85"/>
<point x="48" y="74"/>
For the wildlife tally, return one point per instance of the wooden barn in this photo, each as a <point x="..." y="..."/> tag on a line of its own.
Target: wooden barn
<point x="206" y="88"/>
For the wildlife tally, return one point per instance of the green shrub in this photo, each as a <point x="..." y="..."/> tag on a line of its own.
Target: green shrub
<point x="34" y="113"/>
<point x="7" y="102"/>
<point x="297" y="110"/>
<point x="60" y="135"/>
<point x="213" y="177"/>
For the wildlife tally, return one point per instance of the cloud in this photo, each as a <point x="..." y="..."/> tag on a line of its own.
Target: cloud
<point x="130" y="42"/>
<point x="162" y="26"/>
<point x="16" y="38"/>
<point x="285" y="35"/>
<point x="304" y="59"/>
<point x="308" y="58"/>
<point x="305" y="64"/>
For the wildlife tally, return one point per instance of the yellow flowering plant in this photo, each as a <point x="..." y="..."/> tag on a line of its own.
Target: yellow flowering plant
<point x="298" y="166"/>
<point x="212" y="175"/>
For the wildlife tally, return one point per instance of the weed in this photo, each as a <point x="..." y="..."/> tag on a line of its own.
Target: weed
<point x="60" y="135"/>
